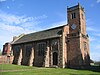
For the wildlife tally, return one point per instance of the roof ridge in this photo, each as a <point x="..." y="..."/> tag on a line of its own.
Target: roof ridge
<point x="17" y="38"/>
<point x="41" y="35"/>
<point x="47" y="29"/>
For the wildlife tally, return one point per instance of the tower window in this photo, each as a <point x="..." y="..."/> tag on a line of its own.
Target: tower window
<point x="73" y="15"/>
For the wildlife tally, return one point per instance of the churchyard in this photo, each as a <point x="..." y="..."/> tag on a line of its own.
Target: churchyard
<point x="10" y="69"/>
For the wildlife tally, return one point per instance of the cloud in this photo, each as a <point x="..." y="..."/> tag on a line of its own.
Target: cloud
<point x="10" y="28"/>
<point x="98" y="1"/>
<point x="14" y="19"/>
<point x="9" y="20"/>
<point x="3" y="0"/>
<point x="91" y="29"/>
<point x="13" y="0"/>
<point x="14" y="25"/>
<point x="91" y="26"/>
<point x="8" y="7"/>
<point x="89" y="22"/>
<point x="95" y="56"/>
<point x="56" y="24"/>
<point x="40" y="17"/>
<point x="97" y="47"/>
<point x="92" y="39"/>
<point x="92" y="5"/>
<point x="97" y="34"/>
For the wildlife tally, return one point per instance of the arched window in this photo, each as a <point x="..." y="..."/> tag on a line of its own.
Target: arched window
<point x="54" y="45"/>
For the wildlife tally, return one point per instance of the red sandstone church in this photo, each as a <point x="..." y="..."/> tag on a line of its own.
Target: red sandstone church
<point x="64" y="46"/>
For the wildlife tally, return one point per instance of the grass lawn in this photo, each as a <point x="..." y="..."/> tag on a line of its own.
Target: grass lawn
<point x="9" y="69"/>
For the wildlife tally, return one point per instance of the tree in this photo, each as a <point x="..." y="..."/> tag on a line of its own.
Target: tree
<point x="0" y="52"/>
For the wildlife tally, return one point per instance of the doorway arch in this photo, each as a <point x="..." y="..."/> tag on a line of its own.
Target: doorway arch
<point x="55" y="58"/>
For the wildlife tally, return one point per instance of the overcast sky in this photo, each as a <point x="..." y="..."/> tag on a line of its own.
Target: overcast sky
<point x="26" y="16"/>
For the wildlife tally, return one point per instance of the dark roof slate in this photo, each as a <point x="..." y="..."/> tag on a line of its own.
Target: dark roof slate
<point x="41" y="35"/>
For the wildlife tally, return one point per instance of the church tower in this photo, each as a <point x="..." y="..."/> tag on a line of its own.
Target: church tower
<point x="77" y="40"/>
<point x="76" y="19"/>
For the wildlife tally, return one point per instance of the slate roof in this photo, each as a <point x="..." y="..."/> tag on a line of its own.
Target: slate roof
<point x="41" y="35"/>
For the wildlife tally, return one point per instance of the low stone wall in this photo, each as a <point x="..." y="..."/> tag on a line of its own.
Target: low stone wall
<point x="6" y="59"/>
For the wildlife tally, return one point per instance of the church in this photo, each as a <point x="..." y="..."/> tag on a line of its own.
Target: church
<point x="63" y="46"/>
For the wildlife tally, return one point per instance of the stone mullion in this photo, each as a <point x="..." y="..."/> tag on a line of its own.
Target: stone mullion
<point x="49" y="53"/>
<point x="20" y="57"/>
<point x="47" y="59"/>
<point x="61" y="52"/>
<point x="59" y="48"/>
<point x="23" y="55"/>
<point x="31" y="56"/>
<point x="60" y="64"/>
<point x="63" y="49"/>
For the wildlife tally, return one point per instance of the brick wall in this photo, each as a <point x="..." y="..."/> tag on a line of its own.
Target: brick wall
<point x="6" y="59"/>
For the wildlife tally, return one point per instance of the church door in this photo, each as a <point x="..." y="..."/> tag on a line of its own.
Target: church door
<point x="55" y="58"/>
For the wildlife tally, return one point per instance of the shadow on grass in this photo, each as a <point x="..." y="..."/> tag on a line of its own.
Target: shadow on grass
<point x="94" y="68"/>
<point x="90" y="68"/>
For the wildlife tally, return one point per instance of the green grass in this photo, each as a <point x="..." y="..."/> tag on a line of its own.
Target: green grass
<point x="26" y="70"/>
<point x="14" y="67"/>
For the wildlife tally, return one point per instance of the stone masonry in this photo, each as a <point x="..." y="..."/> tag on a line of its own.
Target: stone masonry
<point x="63" y="46"/>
